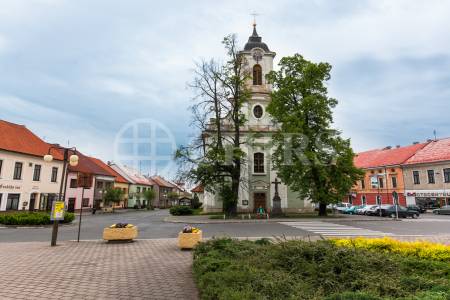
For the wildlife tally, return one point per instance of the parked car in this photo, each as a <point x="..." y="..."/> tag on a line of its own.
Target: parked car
<point x="418" y="208"/>
<point x="444" y="210"/>
<point x="341" y="207"/>
<point x="375" y="209"/>
<point x="403" y="212"/>
<point x="362" y="210"/>
<point x="351" y="210"/>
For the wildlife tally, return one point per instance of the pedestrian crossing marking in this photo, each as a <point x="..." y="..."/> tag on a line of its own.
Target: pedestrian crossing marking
<point x="331" y="229"/>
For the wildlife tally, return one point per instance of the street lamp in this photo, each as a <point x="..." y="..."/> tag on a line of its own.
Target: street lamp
<point x="73" y="161"/>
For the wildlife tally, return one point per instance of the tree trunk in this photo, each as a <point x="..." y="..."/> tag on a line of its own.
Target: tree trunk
<point x="232" y="208"/>
<point x="322" y="209"/>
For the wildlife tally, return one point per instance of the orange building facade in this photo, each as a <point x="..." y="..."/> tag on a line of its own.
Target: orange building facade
<point x="383" y="181"/>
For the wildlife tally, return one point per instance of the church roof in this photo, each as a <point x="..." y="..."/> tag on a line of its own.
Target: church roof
<point x="255" y="41"/>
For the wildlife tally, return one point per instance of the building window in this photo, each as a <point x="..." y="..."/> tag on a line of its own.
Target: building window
<point x="258" y="111"/>
<point x="54" y="174"/>
<point x="394" y="182"/>
<point x="85" y="202"/>
<point x="1" y="164"/>
<point x="37" y="173"/>
<point x="381" y="182"/>
<point x="100" y="184"/>
<point x="13" y="202"/>
<point x="430" y="176"/>
<point x="258" y="162"/>
<point x="416" y="178"/>
<point x="446" y="175"/>
<point x="363" y="200"/>
<point x="18" y="171"/>
<point x="138" y="189"/>
<point x="73" y="183"/>
<point x="379" y="200"/>
<point x="257" y="75"/>
<point x="363" y="184"/>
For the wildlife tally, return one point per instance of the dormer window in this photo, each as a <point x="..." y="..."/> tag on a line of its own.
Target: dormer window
<point x="257" y="75"/>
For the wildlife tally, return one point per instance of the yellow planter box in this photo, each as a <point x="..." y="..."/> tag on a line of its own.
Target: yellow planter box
<point x="189" y="240"/>
<point x="120" y="234"/>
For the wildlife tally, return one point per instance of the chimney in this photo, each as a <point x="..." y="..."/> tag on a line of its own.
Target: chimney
<point x="398" y="146"/>
<point x="387" y="148"/>
<point x="415" y="143"/>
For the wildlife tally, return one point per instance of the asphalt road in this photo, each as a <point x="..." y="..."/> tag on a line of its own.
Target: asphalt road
<point x="151" y="225"/>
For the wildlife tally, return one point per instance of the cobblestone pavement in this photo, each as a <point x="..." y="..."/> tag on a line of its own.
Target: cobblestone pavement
<point x="145" y="269"/>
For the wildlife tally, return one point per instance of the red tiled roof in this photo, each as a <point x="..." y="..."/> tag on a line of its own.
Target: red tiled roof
<point x="18" y="138"/>
<point x="162" y="182"/>
<point x="135" y="176"/>
<point x="87" y="165"/>
<point x="198" y="189"/>
<point x="111" y="171"/>
<point x="386" y="157"/>
<point x="434" y="151"/>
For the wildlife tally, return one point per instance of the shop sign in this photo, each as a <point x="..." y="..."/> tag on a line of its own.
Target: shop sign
<point x="432" y="194"/>
<point x="9" y="186"/>
<point x="57" y="211"/>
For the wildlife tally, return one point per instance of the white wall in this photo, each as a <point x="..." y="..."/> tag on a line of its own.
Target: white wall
<point x="26" y="186"/>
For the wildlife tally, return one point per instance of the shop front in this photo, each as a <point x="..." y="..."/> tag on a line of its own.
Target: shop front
<point x="428" y="198"/>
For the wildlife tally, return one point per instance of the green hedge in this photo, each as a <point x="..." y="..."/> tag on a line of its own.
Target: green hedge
<point x="181" y="210"/>
<point x="230" y="269"/>
<point x="31" y="218"/>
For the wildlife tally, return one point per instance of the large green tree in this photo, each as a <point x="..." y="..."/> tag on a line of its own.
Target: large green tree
<point x="310" y="156"/>
<point x="215" y="159"/>
<point x="113" y="195"/>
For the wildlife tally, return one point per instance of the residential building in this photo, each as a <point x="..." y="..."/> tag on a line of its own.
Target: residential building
<point x="383" y="175"/>
<point x="89" y="197"/>
<point x="138" y="184"/>
<point x="257" y="189"/>
<point x="162" y="189"/>
<point x="119" y="182"/>
<point x="427" y="175"/>
<point x="27" y="182"/>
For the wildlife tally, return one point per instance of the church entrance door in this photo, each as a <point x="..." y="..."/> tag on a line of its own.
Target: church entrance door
<point x="259" y="200"/>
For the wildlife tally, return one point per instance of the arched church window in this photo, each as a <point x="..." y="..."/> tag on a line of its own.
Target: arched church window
<point x="258" y="111"/>
<point x="258" y="162"/>
<point x="257" y="75"/>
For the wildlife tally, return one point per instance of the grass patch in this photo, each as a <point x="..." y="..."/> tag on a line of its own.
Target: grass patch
<point x="230" y="269"/>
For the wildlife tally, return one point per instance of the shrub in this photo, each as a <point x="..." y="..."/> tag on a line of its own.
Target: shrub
<point x="231" y="269"/>
<point x="31" y="218"/>
<point x="68" y="217"/>
<point x="420" y="249"/>
<point x="180" y="210"/>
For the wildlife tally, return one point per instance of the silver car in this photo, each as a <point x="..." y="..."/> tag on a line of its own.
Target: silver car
<point x="444" y="210"/>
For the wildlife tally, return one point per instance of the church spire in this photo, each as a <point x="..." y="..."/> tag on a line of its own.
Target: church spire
<point x="255" y="41"/>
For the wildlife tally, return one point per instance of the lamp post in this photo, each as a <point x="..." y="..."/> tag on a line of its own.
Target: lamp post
<point x="73" y="161"/>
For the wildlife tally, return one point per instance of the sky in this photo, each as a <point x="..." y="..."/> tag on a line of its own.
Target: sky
<point x="84" y="72"/>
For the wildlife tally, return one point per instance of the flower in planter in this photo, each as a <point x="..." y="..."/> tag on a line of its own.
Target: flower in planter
<point x="121" y="225"/>
<point x="190" y="229"/>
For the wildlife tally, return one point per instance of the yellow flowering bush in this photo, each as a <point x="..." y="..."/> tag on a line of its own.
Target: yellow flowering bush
<point x="421" y="249"/>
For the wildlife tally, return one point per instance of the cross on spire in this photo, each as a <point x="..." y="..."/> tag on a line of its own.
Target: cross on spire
<point x="254" y="14"/>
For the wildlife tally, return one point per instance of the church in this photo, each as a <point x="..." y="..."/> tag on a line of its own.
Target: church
<point x="258" y="186"/>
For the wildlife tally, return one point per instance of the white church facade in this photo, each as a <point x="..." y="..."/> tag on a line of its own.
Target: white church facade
<point x="257" y="189"/>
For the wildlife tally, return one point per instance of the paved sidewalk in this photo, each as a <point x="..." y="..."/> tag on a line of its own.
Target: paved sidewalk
<point x="204" y="219"/>
<point x="145" y="269"/>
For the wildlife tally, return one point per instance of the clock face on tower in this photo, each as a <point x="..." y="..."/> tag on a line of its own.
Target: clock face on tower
<point x="257" y="55"/>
